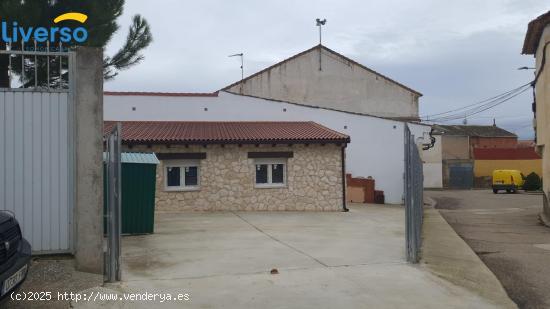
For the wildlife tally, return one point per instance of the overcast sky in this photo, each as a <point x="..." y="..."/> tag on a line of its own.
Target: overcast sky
<point x="454" y="52"/>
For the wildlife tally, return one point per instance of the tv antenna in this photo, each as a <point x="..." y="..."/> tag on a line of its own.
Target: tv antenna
<point x="242" y="63"/>
<point x="320" y="24"/>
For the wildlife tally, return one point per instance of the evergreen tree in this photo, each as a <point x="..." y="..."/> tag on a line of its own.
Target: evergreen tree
<point x="101" y="26"/>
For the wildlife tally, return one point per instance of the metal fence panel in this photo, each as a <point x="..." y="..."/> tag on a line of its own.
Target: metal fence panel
<point x="34" y="172"/>
<point x="36" y="149"/>
<point x="414" y="198"/>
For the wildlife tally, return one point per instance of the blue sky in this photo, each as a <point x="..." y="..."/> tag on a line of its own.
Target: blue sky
<point x="455" y="53"/>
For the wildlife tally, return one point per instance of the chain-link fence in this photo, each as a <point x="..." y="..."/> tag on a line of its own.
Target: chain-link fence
<point x="414" y="199"/>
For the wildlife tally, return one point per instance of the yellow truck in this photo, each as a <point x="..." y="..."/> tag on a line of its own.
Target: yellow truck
<point x="509" y="180"/>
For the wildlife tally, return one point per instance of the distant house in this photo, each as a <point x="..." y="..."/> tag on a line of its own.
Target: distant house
<point x="322" y="77"/>
<point x="260" y="165"/>
<point x="457" y="144"/>
<point x="486" y="160"/>
<point x="536" y="43"/>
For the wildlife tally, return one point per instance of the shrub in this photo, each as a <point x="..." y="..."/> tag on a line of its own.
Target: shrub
<point x="532" y="182"/>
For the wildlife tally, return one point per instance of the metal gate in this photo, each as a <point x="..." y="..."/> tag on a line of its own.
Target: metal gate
<point x="461" y="176"/>
<point x="414" y="198"/>
<point x="37" y="146"/>
<point x="114" y="198"/>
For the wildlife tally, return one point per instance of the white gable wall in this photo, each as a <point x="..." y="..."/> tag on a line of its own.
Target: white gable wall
<point x="376" y="147"/>
<point x="341" y="85"/>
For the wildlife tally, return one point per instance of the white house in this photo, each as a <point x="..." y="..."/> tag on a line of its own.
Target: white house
<point x="376" y="147"/>
<point x="322" y="77"/>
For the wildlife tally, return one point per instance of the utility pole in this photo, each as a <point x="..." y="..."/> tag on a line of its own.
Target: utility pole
<point x="320" y="24"/>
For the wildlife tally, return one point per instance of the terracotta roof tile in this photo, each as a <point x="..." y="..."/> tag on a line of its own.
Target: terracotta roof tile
<point x="204" y="132"/>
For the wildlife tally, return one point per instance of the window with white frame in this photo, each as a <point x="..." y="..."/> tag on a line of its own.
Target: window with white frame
<point x="181" y="175"/>
<point x="270" y="172"/>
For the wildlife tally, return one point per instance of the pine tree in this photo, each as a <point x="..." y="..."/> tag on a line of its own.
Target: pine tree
<point x="101" y="26"/>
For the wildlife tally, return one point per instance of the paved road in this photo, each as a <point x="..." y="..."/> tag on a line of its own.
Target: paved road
<point x="505" y="232"/>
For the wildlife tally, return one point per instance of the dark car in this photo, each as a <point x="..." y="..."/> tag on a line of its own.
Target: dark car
<point x="15" y="255"/>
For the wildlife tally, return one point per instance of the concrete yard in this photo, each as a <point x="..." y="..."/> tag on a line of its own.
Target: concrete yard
<point x="504" y="230"/>
<point x="324" y="260"/>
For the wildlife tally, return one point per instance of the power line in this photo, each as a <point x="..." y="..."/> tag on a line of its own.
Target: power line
<point x="471" y="108"/>
<point x="498" y="100"/>
<point x="477" y="109"/>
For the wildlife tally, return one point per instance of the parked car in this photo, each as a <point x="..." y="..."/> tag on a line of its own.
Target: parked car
<point x="509" y="180"/>
<point x="15" y="255"/>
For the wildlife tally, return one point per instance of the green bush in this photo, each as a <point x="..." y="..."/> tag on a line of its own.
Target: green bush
<point x="532" y="182"/>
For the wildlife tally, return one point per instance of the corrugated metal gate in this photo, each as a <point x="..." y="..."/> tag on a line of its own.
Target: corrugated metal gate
<point x="37" y="155"/>
<point x="414" y="198"/>
<point x="461" y="176"/>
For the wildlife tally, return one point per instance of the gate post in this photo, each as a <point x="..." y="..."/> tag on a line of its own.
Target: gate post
<point x="87" y="97"/>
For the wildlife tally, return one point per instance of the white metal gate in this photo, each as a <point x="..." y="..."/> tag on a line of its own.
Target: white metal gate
<point x="36" y="156"/>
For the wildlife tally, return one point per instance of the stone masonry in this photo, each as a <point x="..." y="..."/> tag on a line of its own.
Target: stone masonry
<point x="227" y="176"/>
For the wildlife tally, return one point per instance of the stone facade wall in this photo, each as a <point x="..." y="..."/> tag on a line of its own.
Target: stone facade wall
<point x="227" y="180"/>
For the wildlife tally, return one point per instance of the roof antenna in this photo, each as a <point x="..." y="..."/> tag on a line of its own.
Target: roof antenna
<point x="242" y="68"/>
<point x="320" y="24"/>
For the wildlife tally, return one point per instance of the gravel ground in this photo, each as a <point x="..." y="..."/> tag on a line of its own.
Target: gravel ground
<point x="53" y="274"/>
<point x="505" y="232"/>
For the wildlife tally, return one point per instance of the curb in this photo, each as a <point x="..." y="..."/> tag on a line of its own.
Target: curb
<point x="448" y="256"/>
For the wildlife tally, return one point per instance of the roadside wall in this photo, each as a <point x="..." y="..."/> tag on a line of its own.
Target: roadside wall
<point x="227" y="180"/>
<point x="483" y="169"/>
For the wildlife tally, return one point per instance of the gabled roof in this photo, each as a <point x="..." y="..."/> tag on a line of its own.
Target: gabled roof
<point x="472" y="130"/>
<point x="220" y="132"/>
<point x="534" y="32"/>
<point x="331" y="51"/>
<point x="160" y="94"/>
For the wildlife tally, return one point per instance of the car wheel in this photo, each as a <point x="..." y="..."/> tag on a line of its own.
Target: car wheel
<point x="495" y="191"/>
<point x="508" y="191"/>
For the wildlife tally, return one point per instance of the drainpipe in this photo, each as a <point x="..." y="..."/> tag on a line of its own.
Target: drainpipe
<point x="344" y="207"/>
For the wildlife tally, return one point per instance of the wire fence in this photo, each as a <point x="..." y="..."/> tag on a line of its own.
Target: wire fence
<point x="414" y="198"/>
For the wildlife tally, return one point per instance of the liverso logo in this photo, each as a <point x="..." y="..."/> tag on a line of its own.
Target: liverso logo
<point x="42" y="34"/>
